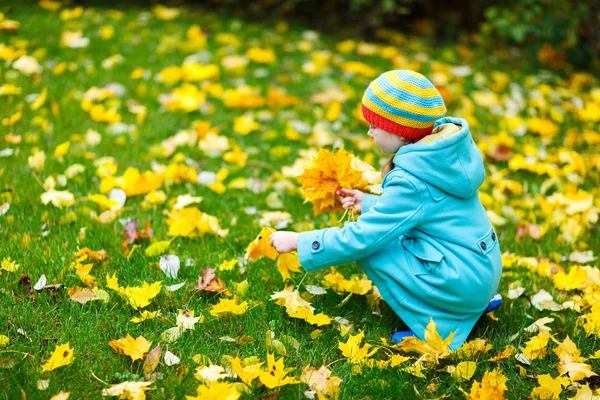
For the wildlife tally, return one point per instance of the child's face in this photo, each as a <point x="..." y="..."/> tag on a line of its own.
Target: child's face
<point x="387" y="142"/>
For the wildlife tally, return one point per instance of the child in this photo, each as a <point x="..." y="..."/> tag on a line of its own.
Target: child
<point x="426" y="242"/>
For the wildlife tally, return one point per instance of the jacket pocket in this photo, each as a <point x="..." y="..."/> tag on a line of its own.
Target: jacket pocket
<point x="429" y="256"/>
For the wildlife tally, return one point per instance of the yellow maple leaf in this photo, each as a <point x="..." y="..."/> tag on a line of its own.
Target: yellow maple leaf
<point x="134" y="183"/>
<point x="134" y="348"/>
<point x="246" y="373"/>
<point x="492" y="387"/>
<point x="275" y="374"/>
<point x="577" y="278"/>
<point x="62" y="149"/>
<point x="433" y="348"/>
<point x="158" y="248"/>
<point x="591" y="320"/>
<point x="464" y="370"/>
<point x="261" y="246"/>
<point x="61" y="396"/>
<point x="307" y="315"/>
<point x="474" y="348"/>
<point x="328" y="173"/>
<point x="322" y="381"/>
<point x="549" y="388"/>
<point x="191" y="222"/>
<point x="144" y="315"/>
<point x="9" y="265"/>
<point x="99" y="255"/>
<point x="507" y="352"/>
<point x="585" y="393"/>
<point x="216" y="391"/>
<point x="210" y="373"/>
<point x="137" y="296"/>
<point x="352" y="350"/>
<point x="58" y="198"/>
<point x="128" y="390"/>
<point x="571" y="362"/>
<point x="83" y="272"/>
<point x="536" y="346"/>
<point x="356" y="284"/>
<point x="229" y="306"/>
<point x="61" y="356"/>
<point x="41" y="99"/>
<point x="291" y="299"/>
<point x="104" y="202"/>
<point x="288" y="262"/>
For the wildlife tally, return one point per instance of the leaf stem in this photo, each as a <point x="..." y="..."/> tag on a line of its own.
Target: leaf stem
<point x="98" y="379"/>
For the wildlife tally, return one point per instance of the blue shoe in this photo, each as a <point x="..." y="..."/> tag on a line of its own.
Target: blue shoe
<point x="494" y="304"/>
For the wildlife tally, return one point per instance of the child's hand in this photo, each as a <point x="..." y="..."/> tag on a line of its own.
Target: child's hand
<point x="350" y="197"/>
<point x="284" y="241"/>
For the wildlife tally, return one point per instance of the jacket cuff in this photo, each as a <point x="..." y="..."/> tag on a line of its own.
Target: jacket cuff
<point x="368" y="201"/>
<point x="310" y="247"/>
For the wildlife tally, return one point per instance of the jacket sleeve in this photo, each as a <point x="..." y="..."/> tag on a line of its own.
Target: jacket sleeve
<point x="397" y="211"/>
<point x="368" y="201"/>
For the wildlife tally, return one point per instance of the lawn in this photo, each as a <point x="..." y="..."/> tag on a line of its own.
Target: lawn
<point x="195" y="124"/>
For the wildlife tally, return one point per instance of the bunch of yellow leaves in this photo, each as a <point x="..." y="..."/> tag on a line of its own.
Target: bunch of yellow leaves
<point x="191" y="222"/>
<point x="261" y="247"/>
<point x="138" y="297"/>
<point x="328" y="173"/>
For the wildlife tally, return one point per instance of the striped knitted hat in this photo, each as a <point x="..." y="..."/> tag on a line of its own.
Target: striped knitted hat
<point x="404" y="103"/>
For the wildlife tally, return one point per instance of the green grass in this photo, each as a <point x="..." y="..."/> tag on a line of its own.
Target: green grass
<point x="50" y="319"/>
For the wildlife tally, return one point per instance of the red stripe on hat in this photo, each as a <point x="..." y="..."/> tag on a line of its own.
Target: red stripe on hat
<point x="394" y="127"/>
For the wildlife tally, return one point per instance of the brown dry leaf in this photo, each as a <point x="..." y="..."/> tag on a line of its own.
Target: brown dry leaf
<point x="329" y="172"/>
<point x="151" y="361"/>
<point x="209" y="282"/>
<point x="501" y="152"/>
<point x="81" y="295"/>
<point x="131" y="232"/>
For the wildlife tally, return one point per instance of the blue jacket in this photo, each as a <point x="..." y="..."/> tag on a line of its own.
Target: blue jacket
<point x="426" y="242"/>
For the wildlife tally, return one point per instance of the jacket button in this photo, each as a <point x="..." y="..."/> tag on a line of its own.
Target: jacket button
<point x="493" y="235"/>
<point x="483" y="245"/>
<point x="315" y="245"/>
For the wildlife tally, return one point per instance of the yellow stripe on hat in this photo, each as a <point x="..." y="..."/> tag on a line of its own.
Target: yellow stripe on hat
<point x="412" y="108"/>
<point x="394" y="118"/>
<point x="427" y="93"/>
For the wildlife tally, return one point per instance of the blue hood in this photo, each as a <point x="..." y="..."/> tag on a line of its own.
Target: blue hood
<point x="447" y="158"/>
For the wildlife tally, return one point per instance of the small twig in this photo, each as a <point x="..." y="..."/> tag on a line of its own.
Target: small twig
<point x="98" y="379"/>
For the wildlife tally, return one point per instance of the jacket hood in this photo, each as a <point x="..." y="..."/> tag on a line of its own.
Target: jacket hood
<point x="447" y="158"/>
